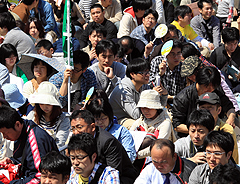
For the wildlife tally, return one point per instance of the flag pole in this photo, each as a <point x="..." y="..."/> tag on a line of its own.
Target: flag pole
<point x="68" y="55"/>
<point x="67" y="44"/>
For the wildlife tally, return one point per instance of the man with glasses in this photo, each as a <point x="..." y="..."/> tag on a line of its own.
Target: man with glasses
<point x="109" y="150"/>
<point x="82" y="79"/>
<point x="108" y="72"/>
<point x="219" y="147"/>
<point x="145" y="31"/>
<point x="82" y="149"/>
<point x="125" y="96"/>
<point x="169" y="70"/>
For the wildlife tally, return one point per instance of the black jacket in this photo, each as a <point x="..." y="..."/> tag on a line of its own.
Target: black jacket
<point x="185" y="102"/>
<point x="39" y="142"/>
<point x="183" y="168"/>
<point x="110" y="28"/>
<point x="112" y="153"/>
<point x="220" y="58"/>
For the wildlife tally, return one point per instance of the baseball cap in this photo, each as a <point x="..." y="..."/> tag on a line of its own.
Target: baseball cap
<point x="211" y="98"/>
<point x="189" y="65"/>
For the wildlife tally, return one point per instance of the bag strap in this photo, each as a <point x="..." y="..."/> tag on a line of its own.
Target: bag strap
<point x="24" y="150"/>
<point x="98" y="174"/>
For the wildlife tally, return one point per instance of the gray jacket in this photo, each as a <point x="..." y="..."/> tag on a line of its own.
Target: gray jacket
<point x="209" y="31"/>
<point x="124" y="99"/>
<point x="182" y="147"/>
<point x="103" y="82"/>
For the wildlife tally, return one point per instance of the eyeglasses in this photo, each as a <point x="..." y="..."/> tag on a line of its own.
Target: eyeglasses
<point x="101" y="119"/>
<point x="143" y="73"/>
<point x="11" y="58"/>
<point x="172" y="54"/>
<point x="78" y="158"/>
<point x="78" y="128"/>
<point x="76" y="71"/>
<point x="215" y="154"/>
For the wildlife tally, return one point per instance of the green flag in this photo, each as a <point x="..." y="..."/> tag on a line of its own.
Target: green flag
<point x="67" y="35"/>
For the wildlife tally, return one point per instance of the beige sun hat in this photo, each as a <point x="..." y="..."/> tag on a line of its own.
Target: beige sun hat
<point x="150" y="99"/>
<point x="46" y="93"/>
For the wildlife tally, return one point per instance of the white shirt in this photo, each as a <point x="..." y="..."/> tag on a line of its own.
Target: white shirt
<point x="150" y="175"/>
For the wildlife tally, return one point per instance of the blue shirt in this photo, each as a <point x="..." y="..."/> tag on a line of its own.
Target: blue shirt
<point x="57" y="46"/>
<point x="45" y="14"/>
<point x="141" y="34"/>
<point x="88" y="80"/>
<point x="125" y="138"/>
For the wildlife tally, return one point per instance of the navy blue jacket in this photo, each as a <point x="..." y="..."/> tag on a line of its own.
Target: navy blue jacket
<point x="38" y="142"/>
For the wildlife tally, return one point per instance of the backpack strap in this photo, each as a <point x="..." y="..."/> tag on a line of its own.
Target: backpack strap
<point x="98" y="174"/>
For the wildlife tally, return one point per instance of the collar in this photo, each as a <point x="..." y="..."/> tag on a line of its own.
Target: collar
<point x="96" y="166"/>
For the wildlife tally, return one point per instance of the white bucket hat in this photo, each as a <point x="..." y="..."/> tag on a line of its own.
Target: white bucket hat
<point x="150" y="99"/>
<point x="46" y="93"/>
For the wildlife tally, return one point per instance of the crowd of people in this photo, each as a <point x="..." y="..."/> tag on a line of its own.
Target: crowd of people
<point x="137" y="115"/>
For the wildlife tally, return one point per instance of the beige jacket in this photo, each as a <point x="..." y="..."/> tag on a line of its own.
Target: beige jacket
<point x="113" y="12"/>
<point x="127" y="24"/>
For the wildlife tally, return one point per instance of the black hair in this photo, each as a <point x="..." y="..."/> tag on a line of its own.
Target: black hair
<point x="3" y="7"/>
<point x="55" y="162"/>
<point x="201" y="117"/>
<point x="171" y="28"/>
<point x="137" y="65"/>
<point x="6" y="51"/>
<point x="105" y="45"/>
<point x="46" y="44"/>
<point x="9" y="117"/>
<point x="221" y="139"/>
<point x="163" y="142"/>
<point x="151" y="11"/>
<point x="99" y="93"/>
<point x="223" y="174"/>
<point x="200" y="3"/>
<point x="176" y="44"/>
<point x="141" y="5"/>
<point x="189" y="49"/>
<point x="96" y="6"/>
<point x="20" y="24"/>
<point x="37" y="62"/>
<point x="98" y="28"/>
<point x="28" y="2"/>
<point x="181" y="11"/>
<point x="124" y="48"/>
<point x="7" y="20"/>
<point x="84" y="142"/>
<point x="207" y="75"/>
<point x="38" y="25"/>
<point x="82" y="58"/>
<point x="86" y="115"/>
<point x="230" y="34"/>
<point x="99" y="106"/>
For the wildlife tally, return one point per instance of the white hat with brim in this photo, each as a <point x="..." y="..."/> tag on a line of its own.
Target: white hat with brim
<point x="46" y="93"/>
<point x="150" y="99"/>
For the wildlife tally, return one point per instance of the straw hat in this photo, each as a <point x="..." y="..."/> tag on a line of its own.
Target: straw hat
<point x="150" y="99"/>
<point x="46" y="93"/>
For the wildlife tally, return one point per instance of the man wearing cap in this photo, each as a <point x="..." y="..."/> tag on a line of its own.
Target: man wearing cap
<point x="16" y="99"/>
<point x="193" y="62"/>
<point x="211" y="102"/>
<point x="169" y="71"/>
<point x="207" y="80"/>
